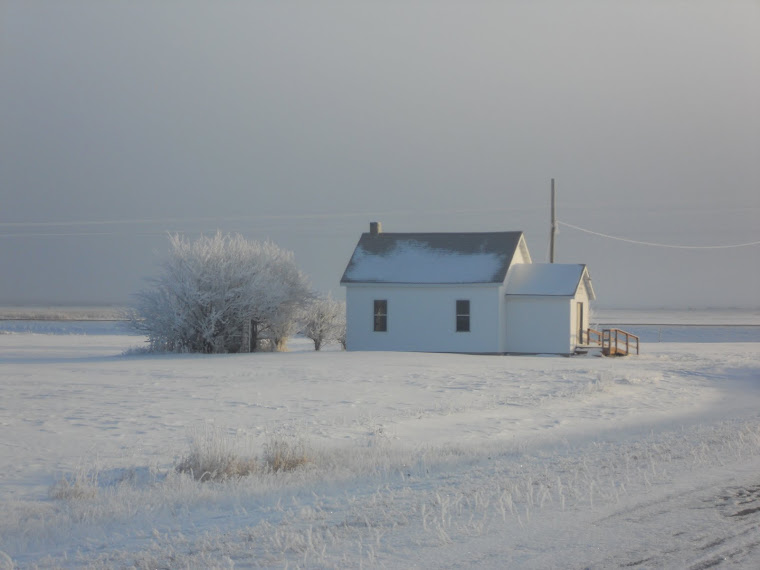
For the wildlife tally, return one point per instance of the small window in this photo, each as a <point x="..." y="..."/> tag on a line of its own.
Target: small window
<point x="381" y="315"/>
<point x="463" y="316"/>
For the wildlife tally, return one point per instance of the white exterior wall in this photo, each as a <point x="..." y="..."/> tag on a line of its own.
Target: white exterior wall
<point x="503" y="318"/>
<point x="521" y="254"/>
<point x="545" y="324"/>
<point x="580" y="297"/>
<point x="423" y="318"/>
<point x="539" y="325"/>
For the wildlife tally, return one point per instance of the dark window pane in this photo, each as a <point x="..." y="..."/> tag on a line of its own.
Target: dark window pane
<point x="381" y="315"/>
<point x="463" y="316"/>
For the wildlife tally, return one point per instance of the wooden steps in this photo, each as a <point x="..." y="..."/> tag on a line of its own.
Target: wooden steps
<point x="588" y="350"/>
<point x="613" y="342"/>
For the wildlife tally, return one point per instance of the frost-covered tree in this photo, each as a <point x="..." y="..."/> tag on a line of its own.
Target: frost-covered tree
<point x="324" y="320"/>
<point x="216" y="293"/>
<point x="341" y="337"/>
<point x="281" y="326"/>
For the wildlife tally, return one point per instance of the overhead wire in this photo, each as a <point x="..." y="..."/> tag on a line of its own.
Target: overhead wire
<point x="654" y="244"/>
<point x="79" y="228"/>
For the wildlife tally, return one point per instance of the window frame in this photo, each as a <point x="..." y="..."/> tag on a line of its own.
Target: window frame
<point x="463" y="313"/>
<point x="380" y="315"/>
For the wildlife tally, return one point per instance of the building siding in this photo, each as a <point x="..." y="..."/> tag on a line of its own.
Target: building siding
<point x="538" y="325"/>
<point x="423" y="318"/>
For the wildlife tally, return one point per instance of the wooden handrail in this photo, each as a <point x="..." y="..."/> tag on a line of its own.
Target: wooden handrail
<point x="590" y="333"/>
<point x="610" y="348"/>
<point x="613" y="341"/>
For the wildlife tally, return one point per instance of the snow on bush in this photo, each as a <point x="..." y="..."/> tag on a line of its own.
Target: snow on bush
<point x="221" y="294"/>
<point x="82" y="484"/>
<point x="281" y="454"/>
<point x="281" y="326"/>
<point x="213" y="457"/>
<point x="325" y="320"/>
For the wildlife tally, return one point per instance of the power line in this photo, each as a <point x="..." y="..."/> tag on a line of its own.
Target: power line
<point x="297" y="217"/>
<point x="751" y="243"/>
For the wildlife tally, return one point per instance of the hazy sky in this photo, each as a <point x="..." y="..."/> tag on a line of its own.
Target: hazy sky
<point x="303" y="121"/>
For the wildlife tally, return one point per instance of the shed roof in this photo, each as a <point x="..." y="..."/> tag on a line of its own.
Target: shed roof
<point x="432" y="258"/>
<point x="557" y="279"/>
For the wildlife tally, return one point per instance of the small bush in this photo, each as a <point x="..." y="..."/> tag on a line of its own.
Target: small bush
<point x="212" y="458"/>
<point x="137" y="351"/>
<point x="325" y="320"/>
<point x="78" y="486"/>
<point x="266" y="345"/>
<point x="216" y="456"/>
<point x="282" y="455"/>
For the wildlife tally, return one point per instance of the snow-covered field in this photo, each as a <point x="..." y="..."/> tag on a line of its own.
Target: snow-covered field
<point x="401" y="460"/>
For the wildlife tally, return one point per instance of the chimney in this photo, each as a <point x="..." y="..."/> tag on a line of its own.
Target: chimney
<point x="375" y="228"/>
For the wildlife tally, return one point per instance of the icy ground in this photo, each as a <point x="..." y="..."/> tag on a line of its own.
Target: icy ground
<point x="408" y="460"/>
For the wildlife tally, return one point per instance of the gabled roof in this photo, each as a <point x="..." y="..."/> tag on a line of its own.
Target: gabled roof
<point x="433" y="258"/>
<point x="557" y="279"/>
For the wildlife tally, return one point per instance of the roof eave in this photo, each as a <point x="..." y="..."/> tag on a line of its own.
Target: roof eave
<point x="540" y="295"/>
<point x="417" y="284"/>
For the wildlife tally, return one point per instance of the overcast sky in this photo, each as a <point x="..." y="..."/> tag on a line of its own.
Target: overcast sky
<point x="302" y="122"/>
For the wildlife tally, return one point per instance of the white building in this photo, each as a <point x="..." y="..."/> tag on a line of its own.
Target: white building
<point x="461" y="292"/>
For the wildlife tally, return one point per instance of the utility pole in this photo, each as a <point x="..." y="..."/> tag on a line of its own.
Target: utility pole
<point x="554" y="225"/>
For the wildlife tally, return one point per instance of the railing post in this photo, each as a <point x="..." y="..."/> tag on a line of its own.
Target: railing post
<point x="614" y="346"/>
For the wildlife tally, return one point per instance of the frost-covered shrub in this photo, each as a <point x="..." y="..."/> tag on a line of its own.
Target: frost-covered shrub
<point x="213" y="457"/>
<point x="281" y="454"/>
<point x="217" y="456"/>
<point x="219" y="294"/>
<point x="325" y="320"/>
<point x="342" y="331"/>
<point x="281" y="326"/>
<point x="78" y="486"/>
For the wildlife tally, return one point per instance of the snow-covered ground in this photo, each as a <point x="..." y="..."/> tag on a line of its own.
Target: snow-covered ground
<point x="403" y="460"/>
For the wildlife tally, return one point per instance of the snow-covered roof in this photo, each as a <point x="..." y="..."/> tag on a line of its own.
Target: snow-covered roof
<point x="559" y="279"/>
<point x="432" y="258"/>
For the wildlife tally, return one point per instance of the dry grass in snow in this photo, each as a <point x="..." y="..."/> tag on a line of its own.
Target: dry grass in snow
<point x="383" y="460"/>
<point x="213" y="457"/>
